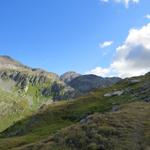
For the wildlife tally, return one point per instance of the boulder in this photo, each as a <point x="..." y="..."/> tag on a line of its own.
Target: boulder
<point x="115" y="93"/>
<point x="134" y="81"/>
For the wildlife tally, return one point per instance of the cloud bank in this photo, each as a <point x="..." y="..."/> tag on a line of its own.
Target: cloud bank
<point x="132" y="57"/>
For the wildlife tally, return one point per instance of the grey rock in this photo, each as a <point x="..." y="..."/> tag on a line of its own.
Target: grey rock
<point x="83" y="121"/>
<point x="115" y="93"/>
<point x="134" y="81"/>
<point x="115" y="108"/>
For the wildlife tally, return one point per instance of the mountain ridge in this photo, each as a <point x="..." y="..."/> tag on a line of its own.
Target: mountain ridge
<point x="12" y="69"/>
<point x="36" y="86"/>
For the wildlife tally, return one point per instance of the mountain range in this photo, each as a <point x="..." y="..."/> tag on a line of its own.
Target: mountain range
<point x="40" y="110"/>
<point x="40" y="83"/>
<point x="34" y="87"/>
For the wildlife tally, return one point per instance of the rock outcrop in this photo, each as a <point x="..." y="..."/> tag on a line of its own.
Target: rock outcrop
<point x="115" y="93"/>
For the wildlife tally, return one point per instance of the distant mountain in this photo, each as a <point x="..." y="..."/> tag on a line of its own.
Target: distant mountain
<point x="86" y="83"/>
<point x="9" y="63"/>
<point x="69" y="76"/>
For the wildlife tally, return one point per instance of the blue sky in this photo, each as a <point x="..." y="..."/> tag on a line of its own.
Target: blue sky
<point x="67" y="35"/>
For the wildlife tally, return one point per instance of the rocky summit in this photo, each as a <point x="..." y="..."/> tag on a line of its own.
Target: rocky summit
<point x="69" y="76"/>
<point x="7" y="62"/>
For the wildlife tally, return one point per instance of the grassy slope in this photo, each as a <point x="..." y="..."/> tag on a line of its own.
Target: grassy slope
<point x="15" y="103"/>
<point x="128" y="128"/>
<point x="12" y="109"/>
<point x="57" y="116"/>
<point x="18" y="101"/>
<point x="15" y="106"/>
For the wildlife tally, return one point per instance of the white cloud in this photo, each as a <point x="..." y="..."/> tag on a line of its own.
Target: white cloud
<point x="106" y="44"/>
<point x="99" y="71"/>
<point x="147" y="16"/>
<point x="133" y="57"/>
<point x="105" y="1"/>
<point x="125" y="2"/>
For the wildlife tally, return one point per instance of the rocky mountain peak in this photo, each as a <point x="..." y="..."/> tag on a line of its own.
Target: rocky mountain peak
<point x="69" y="76"/>
<point x="9" y="63"/>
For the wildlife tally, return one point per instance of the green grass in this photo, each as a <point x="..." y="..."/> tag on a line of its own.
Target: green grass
<point x="17" y="105"/>
<point x="126" y="129"/>
<point x="12" y="108"/>
<point x="34" y="91"/>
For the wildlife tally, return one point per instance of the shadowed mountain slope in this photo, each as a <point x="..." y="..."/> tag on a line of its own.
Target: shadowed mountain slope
<point x="86" y="83"/>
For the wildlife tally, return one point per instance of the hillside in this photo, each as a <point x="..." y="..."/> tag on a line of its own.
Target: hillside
<point x="51" y="118"/>
<point x="23" y="90"/>
<point x="128" y="128"/>
<point x="27" y="89"/>
<point x="12" y="108"/>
